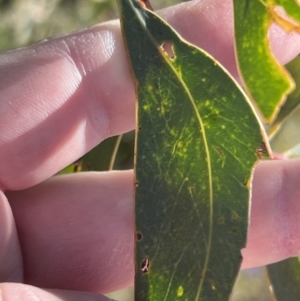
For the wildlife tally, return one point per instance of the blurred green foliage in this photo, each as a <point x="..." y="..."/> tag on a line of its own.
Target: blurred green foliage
<point x="27" y="21"/>
<point x="24" y="22"/>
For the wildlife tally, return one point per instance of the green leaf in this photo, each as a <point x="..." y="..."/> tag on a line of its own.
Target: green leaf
<point x="99" y="158"/>
<point x="293" y="99"/>
<point x="266" y="80"/>
<point x="284" y="131"/>
<point x="285" y="279"/>
<point x="197" y="141"/>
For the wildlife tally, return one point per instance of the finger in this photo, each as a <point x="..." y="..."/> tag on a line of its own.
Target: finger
<point x="23" y="292"/>
<point x="274" y="223"/>
<point x="10" y="252"/>
<point x="76" y="231"/>
<point x="96" y="251"/>
<point x="61" y="97"/>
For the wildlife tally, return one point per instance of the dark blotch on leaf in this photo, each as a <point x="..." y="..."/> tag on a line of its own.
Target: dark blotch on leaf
<point x="262" y="149"/>
<point x="234" y="230"/>
<point x="139" y="236"/>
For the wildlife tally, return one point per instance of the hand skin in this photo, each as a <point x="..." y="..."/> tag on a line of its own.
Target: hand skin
<point x="61" y="97"/>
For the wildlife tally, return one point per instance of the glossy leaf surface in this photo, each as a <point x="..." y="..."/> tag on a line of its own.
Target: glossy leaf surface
<point x="285" y="279"/>
<point x="197" y="142"/>
<point x="266" y="80"/>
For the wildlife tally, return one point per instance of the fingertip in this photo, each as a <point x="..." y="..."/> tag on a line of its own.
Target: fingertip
<point x="274" y="219"/>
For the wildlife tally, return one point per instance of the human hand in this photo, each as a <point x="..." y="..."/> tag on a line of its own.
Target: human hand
<point x="59" y="99"/>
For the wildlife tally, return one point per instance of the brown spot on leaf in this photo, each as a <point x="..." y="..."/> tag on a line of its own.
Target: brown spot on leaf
<point x="262" y="149"/>
<point x="234" y="230"/>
